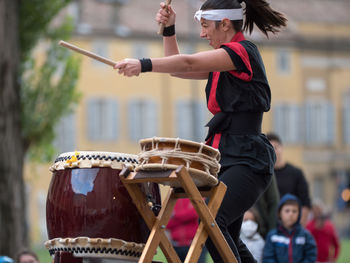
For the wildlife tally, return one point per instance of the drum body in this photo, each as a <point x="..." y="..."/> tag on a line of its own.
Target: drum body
<point x="91" y="202"/>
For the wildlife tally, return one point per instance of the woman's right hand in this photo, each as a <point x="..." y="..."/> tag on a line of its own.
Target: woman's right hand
<point x="166" y="15"/>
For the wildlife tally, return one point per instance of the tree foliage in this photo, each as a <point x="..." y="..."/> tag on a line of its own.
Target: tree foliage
<point x="48" y="89"/>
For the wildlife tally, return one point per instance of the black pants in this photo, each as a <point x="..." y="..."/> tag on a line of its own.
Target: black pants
<point x="182" y="253"/>
<point x="243" y="188"/>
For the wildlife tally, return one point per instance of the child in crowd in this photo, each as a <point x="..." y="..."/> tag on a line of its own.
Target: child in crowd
<point x="27" y="256"/>
<point x="250" y="236"/>
<point x="323" y="230"/>
<point x="289" y="242"/>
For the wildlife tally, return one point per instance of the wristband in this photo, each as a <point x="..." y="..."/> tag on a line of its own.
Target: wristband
<point x="169" y="31"/>
<point x="146" y="64"/>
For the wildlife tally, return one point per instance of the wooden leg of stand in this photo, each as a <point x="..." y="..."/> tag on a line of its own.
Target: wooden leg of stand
<point x="158" y="230"/>
<point x="216" y="197"/>
<point x="140" y="202"/>
<point x="205" y="216"/>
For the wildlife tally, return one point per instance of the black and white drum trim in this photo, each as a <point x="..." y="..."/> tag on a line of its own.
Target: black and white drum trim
<point x="96" y="247"/>
<point x="88" y="159"/>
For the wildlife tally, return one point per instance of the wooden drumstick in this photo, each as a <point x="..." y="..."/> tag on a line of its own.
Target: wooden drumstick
<point x="87" y="53"/>
<point x="161" y="26"/>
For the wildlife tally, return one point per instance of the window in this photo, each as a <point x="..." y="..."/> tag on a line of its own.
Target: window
<point x="283" y="61"/>
<point x="346" y="118"/>
<point x="65" y="140"/>
<point x="191" y="117"/>
<point x="287" y="122"/>
<point x="319" y="117"/>
<point x="143" y="119"/>
<point x="73" y="11"/>
<point x="102" y="119"/>
<point x="319" y="188"/>
<point x="315" y="84"/>
<point x="139" y="50"/>
<point x="100" y="48"/>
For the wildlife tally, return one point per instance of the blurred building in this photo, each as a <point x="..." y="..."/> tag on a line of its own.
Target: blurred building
<point x="308" y="67"/>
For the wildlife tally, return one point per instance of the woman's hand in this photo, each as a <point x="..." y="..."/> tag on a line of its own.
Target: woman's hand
<point x="128" y="67"/>
<point x="166" y="16"/>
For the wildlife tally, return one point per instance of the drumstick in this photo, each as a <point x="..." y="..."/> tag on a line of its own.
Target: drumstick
<point x="161" y="26"/>
<point x="87" y="53"/>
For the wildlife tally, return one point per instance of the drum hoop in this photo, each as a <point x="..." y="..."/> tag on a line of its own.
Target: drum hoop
<point x="211" y="164"/>
<point x="199" y="177"/>
<point x="89" y="159"/>
<point x="177" y="141"/>
<point x="96" y="247"/>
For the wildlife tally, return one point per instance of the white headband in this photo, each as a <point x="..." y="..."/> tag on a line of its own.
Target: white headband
<point x="219" y="14"/>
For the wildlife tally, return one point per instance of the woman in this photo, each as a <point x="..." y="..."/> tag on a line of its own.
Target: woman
<point x="237" y="94"/>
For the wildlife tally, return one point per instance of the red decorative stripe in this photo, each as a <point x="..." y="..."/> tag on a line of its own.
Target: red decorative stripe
<point x="216" y="141"/>
<point x="213" y="105"/>
<point x="243" y="54"/>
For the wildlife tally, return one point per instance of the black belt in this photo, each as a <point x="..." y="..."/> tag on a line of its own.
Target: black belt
<point x="237" y="123"/>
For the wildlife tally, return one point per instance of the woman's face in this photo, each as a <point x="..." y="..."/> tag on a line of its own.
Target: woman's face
<point x="214" y="35"/>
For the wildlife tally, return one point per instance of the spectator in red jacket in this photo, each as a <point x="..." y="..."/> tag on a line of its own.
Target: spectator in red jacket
<point x="323" y="230"/>
<point x="182" y="226"/>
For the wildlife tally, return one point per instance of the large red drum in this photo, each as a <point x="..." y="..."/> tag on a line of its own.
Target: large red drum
<point x="89" y="212"/>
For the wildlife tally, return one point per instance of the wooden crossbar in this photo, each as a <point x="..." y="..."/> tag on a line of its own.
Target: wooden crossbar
<point x="157" y="224"/>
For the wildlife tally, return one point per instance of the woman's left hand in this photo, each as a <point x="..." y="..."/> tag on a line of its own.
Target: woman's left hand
<point x="128" y="67"/>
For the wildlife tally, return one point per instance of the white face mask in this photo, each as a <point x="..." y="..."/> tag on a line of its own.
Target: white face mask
<point x="249" y="228"/>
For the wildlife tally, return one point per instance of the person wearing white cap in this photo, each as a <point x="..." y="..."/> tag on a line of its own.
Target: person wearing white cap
<point x="237" y="94"/>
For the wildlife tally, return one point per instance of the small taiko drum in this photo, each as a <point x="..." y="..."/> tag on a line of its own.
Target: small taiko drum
<point x="89" y="212"/>
<point x="200" y="160"/>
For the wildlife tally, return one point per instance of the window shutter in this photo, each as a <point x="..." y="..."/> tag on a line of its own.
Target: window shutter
<point x="134" y="120"/>
<point x="65" y="140"/>
<point x="110" y="125"/>
<point x="183" y="120"/>
<point x="330" y="123"/>
<point x="346" y="123"/>
<point x="92" y="119"/>
<point x="200" y="121"/>
<point x="150" y="124"/>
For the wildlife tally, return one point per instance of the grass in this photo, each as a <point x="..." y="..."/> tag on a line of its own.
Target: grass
<point x="43" y="255"/>
<point x="344" y="256"/>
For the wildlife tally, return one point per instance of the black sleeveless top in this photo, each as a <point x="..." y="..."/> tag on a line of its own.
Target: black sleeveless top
<point x="238" y="99"/>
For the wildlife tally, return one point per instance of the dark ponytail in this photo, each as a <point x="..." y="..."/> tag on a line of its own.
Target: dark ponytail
<point x="257" y="12"/>
<point x="260" y="13"/>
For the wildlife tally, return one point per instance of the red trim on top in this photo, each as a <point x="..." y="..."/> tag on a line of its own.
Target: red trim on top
<point x="216" y="140"/>
<point x="213" y="105"/>
<point x="238" y="37"/>
<point x="242" y="53"/>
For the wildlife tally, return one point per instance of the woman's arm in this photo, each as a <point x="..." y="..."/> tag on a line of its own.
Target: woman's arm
<point x="171" y="48"/>
<point x="167" y="17"/>
<point x="202" y="63"/>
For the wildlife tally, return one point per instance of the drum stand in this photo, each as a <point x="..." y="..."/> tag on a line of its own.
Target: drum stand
<point x="157" y="224"/>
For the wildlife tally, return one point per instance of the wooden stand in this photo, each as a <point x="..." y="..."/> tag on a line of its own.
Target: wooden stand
<point x="157" y="224"/>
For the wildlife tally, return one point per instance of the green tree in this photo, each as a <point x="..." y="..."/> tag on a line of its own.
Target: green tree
<point x="33" y="97"/>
